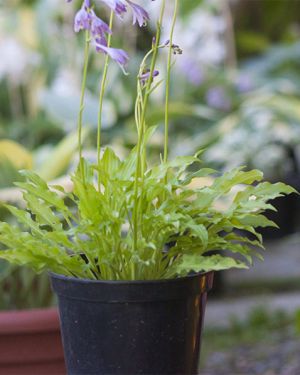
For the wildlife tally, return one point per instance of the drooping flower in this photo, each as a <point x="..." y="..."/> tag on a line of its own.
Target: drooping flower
<point x="117" y="6"/>
<point x="82" y="19"/>
<point x="140" y="15"/>
<point x="146" y="75"/>
<point x="86" y="19"/>
<point x="87" y="3"/>
<point x="100" y="40"/>
<point x="118" y="55"/>
<point x="98" y="27"/>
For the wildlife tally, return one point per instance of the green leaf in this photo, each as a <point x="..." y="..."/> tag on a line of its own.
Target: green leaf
<point x="255" y="221"/>
<point x="198" y="231"/>
<point x="36" y="187"/>
<point x="266" y="191"/>
<point x="203" y="172"/>
<point x="226" y="182"/>
<point x="24" y="218"/>
<point x="127" y="168"/>
<point x="198" y="263"/>
<point x="110" y="163"/>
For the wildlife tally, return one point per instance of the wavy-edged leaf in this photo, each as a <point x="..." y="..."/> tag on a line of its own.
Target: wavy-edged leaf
<point x="198" y="263"/>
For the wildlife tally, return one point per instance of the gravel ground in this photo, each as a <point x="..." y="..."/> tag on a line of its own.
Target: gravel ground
<point x="263" y="344"/>
<point x="278" y="357"/>
<point x="223" y="311"/>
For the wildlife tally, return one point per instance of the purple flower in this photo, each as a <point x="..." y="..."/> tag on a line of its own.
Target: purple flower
<point x="117" y="6"/>
<point x="244" y="83"/>
<point x="86" y="19"/>
<point x="98" y="27"/>
<point x="118" y="55"/>
<point x="86" y="3"/>
<point x="100" y="40"/>
<point x="216" y="97"/>
<point x="82" y="19"/>
<point x="140" y="15"/>
<point x="146" y="75"/>
<point x="191" y="70"/>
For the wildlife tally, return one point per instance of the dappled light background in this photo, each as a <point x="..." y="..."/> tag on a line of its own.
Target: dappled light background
<point x="234" y="89"/>
<point x="235" y="94"/>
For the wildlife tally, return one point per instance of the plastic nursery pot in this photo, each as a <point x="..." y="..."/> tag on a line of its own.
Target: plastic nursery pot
<point x="30" y="343"/>
<point x="135" y="327"/>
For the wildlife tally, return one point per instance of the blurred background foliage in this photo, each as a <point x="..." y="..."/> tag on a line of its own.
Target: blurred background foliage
<point x="235" y="89"/>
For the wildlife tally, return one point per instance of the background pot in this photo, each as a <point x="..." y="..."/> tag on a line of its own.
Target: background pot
<point x="30" y="343"/>
<point x="286" y="216"/>
<point x="139" y="327"/>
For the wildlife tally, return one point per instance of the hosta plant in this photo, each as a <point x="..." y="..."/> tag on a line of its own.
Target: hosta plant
<point x="126" y="219"/>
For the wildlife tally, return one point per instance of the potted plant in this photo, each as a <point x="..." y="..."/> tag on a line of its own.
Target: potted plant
<point x="131" y="259"/>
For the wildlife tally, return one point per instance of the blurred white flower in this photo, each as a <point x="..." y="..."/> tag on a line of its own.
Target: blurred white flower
<point x="66" y="83"/>
<point x="61" y="102"/>
<point x="283" y="133"/>
<point x="16" y="61"/>
<point x="200" y="35"/>
<point x="260" y="139"/>
<point x="269" y="159"/>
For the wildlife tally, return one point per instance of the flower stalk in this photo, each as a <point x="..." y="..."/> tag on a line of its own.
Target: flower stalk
<point x="82" y="97"/>
<point x="141" y="110"/>
<point x="168" y="81"/>
<point x="101" y="97"/>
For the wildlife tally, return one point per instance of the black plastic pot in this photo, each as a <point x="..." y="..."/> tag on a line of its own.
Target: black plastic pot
<point x="137" y="327"/>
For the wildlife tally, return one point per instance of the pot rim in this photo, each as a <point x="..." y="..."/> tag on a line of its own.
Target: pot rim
<point x="129" y="282"/>
<point x="120" y="291"/>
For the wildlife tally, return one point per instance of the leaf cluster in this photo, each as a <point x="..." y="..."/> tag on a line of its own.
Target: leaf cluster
<point x="180" y="225"/>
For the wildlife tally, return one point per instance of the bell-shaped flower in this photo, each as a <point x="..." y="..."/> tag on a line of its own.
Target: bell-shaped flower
<point x="140" y="15"/>
<point x="117" y="6"/>
<point x="98" y="27"/>
<point x="146" y="75"/>
<point x="118" y="55"/>
<point x="82" y="19"/>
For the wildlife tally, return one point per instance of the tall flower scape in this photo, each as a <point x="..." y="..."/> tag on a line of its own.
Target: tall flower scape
<point x="125" y="219"/>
